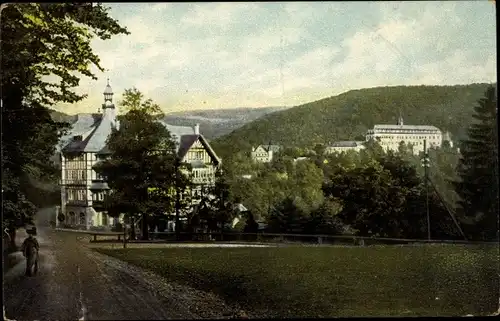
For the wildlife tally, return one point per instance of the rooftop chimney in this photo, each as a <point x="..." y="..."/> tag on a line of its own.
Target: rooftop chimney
<point x="197" y="129"/>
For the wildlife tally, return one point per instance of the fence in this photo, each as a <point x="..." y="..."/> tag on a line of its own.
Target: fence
<point x="305" y="239"/>
<point x="299" y="238"/>
<point x="95" y="234"/>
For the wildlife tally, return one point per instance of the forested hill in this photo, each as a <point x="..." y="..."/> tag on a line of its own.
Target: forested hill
<point x="349" y="115"/>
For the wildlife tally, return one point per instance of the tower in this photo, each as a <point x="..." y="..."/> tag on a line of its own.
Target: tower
<point x="108" y="108"/>
<point x="108" y="93"/>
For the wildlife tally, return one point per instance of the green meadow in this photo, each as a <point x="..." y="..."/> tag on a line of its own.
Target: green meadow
<point x="327" y="281"/>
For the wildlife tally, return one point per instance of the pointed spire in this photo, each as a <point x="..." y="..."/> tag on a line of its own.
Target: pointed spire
<point x="108" y="93"/>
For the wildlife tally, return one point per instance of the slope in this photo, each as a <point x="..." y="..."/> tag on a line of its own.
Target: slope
<point x="349" y="115"/>
<point x="215" y="123"/>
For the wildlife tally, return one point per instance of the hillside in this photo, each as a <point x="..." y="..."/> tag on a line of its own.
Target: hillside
<point x="349" y="115"/>
<point x="215" y="123"/>
<point x="62" y="117"/>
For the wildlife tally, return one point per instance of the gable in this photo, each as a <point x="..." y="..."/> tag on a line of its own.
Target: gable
<point x="195" y="148"/>
<point x="260" y="149"/>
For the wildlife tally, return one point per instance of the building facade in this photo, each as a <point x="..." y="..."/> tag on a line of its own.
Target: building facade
<point x="264" y="153"/>
<point x="390" y="136"/>
<point x="344" y="146"/>
<point x="83" y="189"/>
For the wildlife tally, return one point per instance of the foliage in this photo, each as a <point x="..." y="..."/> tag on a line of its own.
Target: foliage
<point x="142" y="168"/>
<point x="478" y="170"/>
<point x="134" y="100"/>
<point x="287" y="217"/>
<point x="251" y="225"/>
<point x="29" y="140"/>
<point x="351" y="114"/>
<point x="217" y="208"/>
<point x="49" y="49"/>
<point x="324" y="219"/>
<point x="52" y="40"/>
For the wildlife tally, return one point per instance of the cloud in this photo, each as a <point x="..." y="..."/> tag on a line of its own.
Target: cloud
<point x="211" y="15"/>
<point x="222" y="55"/>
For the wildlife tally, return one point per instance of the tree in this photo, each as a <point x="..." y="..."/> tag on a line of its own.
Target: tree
<point x="52" y="39"/>
<point x="134" y="100"/>
<point x="305" y="185"/>
<point x="43" y="41"/>
<point x="286" y="217"/>
<point x="324" y="219"/>
<point x="478" y="170"/>
<point x="220" y="201"/>
<point x="251" y="225"/>
<point x="319" y="149"/>
<point x="142" y="168"/>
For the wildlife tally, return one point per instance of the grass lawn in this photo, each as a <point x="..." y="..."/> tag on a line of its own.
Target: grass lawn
<point x="427" y="280"/>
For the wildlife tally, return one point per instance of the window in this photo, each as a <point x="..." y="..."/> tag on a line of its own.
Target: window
<point x="82" y="218"/>
<point x="104" y="219"/>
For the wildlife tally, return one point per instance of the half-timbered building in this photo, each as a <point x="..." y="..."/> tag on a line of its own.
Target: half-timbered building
<point x="83" y="189"/>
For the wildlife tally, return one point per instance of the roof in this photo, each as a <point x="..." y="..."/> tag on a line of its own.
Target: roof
<point x="240" y="207"/>
<point x="267" y="148"/>
<point x="108" y="90"/>
<point x="95" y="132"/>
<point x="84" y="124"/>
<point x="186" y="141"/>
<point x="97" y="140"/>
<point x="346" y="143"/>
<point x="99" y="186"/>
<point x="104" y="151"/>
<point x="185" y="144"/>
<point x="404" y="127"/>
<point x="93" y="140"/>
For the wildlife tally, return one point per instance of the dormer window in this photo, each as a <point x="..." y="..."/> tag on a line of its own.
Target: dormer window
<point x="78" y="138"/>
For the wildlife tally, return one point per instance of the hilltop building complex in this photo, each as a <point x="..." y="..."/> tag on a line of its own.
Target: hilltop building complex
<point x="390" y="136"/>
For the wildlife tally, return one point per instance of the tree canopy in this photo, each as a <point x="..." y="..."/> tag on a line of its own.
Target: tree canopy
<point x="478" y="170"/>
<point x="47" y="49"/>
<point x="141" y="170"/>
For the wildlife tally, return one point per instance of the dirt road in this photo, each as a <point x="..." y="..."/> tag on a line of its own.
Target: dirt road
<point x="75" y="283"/>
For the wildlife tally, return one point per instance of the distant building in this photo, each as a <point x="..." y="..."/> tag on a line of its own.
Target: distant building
<point x="83" y="189"/>
<point x="344" y="146"/>
<point x="390" y="136"/>
<point x="265" y="153"/>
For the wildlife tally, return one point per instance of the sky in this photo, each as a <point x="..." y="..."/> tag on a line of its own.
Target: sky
<point x="191" y="56"/>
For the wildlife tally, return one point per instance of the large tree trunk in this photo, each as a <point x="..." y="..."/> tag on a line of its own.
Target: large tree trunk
<point x="12" y="240"/>
<point x="145" y="227"/>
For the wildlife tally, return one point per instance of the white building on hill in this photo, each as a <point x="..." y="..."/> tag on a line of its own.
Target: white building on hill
<point x="344" y="146"/>
<point x="265" y="153"/>
<point x="83" y="190"/>
<point x="390" y="136"/>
